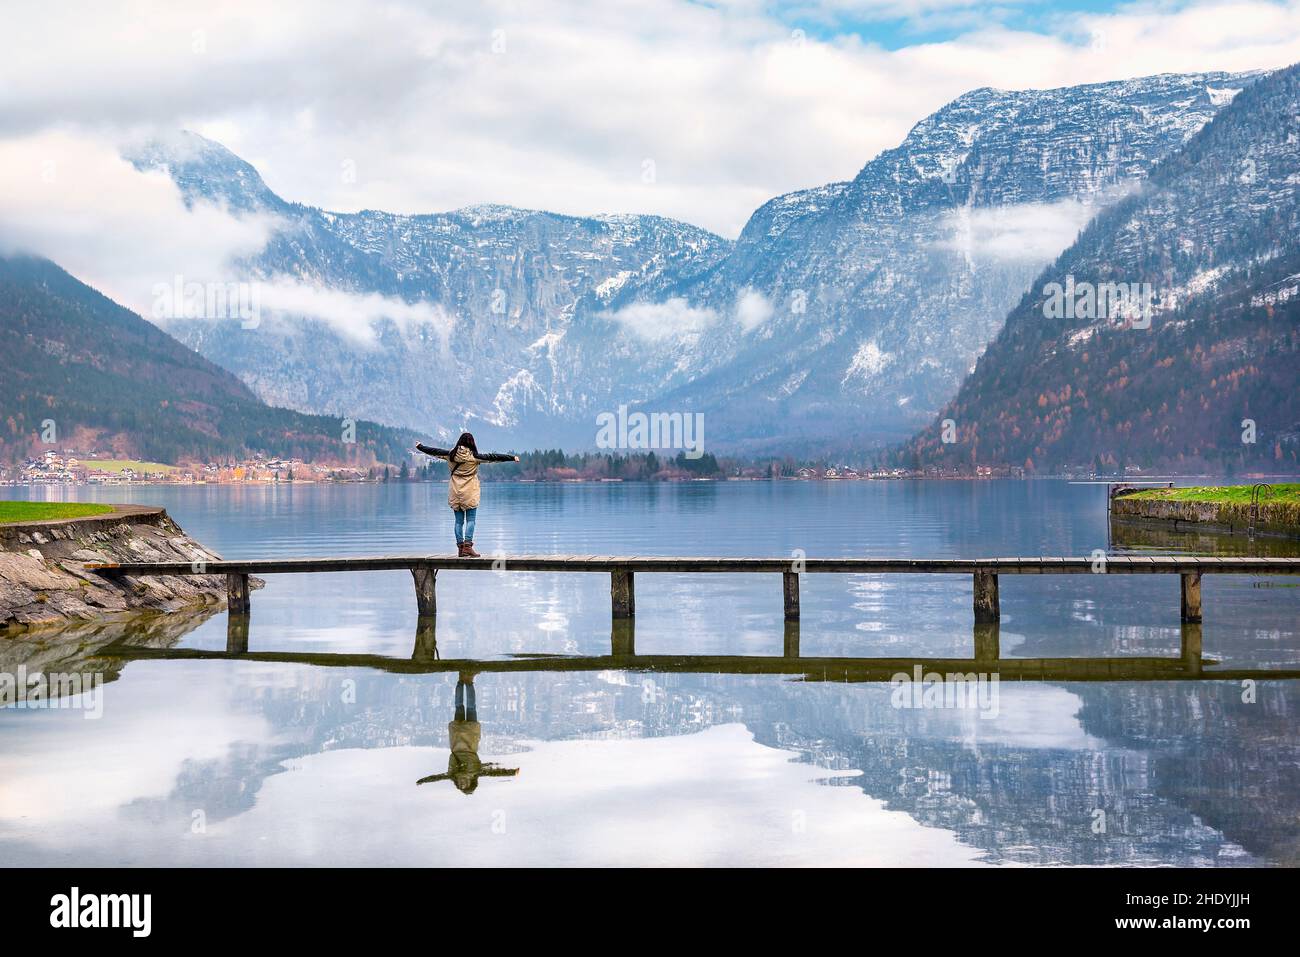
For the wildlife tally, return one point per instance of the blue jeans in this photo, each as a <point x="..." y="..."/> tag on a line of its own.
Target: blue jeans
<point x="465" y="524"/>
<point x="465" y="710"/>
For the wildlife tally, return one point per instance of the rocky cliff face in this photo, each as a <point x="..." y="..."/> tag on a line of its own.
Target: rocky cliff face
<point x="1203" y="376"/>
<point x="43" y="580"/>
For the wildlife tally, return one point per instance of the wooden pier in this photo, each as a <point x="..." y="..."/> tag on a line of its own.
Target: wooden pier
<point x="622" y="571"/>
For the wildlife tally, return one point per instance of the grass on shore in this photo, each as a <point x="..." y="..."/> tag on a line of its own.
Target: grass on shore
<point x="1220" y="494"/>
<point x="120" y="465"/>
<point x="11" y="512"/>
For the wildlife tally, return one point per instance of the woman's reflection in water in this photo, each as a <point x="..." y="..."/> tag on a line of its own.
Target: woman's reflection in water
<point x="464" y="733"/>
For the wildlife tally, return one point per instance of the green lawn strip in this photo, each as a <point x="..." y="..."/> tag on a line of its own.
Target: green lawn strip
<point x="11" y="512"/>
<point x="1220" y="494"/>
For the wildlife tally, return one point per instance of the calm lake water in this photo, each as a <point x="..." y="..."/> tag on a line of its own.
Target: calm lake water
<point x="219" y="762"/>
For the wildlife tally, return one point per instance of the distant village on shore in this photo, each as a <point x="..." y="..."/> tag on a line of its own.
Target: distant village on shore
<point x="70" y="467"/>
<point x="67" y="467"/>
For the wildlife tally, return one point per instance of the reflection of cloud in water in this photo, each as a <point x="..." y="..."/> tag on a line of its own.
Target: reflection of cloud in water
<point x="871" y="592"/>
<point x="550" y="613"/>
<point x="717" y="797"/>
<point x="1030" y="716"/>
<point x="46" y="783"/>
<point x="1009" y="641"/>
<point x="865" y="585"/>
<point x="1083" y="609"/>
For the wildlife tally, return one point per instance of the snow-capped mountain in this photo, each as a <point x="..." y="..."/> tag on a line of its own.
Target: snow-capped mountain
<point x="882" y="292"/>
<point x="497" y="287"/>
<point x="853" y="310"/>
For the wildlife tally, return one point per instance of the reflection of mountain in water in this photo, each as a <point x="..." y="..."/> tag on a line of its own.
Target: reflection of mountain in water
<point x="1183" y="775"/>
<point x="1235" y="765"/>
<point x="1037" y="804"/>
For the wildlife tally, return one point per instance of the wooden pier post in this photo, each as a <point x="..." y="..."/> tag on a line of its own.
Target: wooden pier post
<point x="987" y="607"/>
<point x="1191" y="646"/>
<point x="790" y="644"/>
<point x="426" y="599"/>
<point x="1192" y="597"/>
<point x="237" y="634"/>
<point x="426" y="640"/>
<point x="237" y="599"/>
<point x="790" y="589"/>
<point x="622" y="638"/>
<point x="987" y="641"/>
<point x="622" y="593"/>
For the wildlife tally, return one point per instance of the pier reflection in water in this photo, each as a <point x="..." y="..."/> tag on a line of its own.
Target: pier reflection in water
<point x="425" y="657"/>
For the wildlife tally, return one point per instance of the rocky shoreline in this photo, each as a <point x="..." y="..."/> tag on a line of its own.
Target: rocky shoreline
<point x="43" y="580"/>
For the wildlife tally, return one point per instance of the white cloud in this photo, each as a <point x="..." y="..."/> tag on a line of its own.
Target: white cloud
<point x="71" y="198"/>
<point x="1027" y="232"/>
<point x="557" y="105"/>
<point x="752" y="309"/>
<point x="657" y="321"/>
<point x="676" y="318"/>
<point x="355" y="314"/>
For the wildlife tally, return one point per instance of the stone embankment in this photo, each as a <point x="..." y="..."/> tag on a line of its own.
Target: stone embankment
<point x="43" y="581"/>
<point x="1269" y="518"/>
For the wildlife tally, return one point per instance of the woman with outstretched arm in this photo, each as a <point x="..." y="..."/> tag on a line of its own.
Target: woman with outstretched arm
<point x="463" y="490"/>
<point x="464" y="766"/>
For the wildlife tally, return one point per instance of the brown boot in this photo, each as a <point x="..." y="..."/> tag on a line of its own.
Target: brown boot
<point x="460" y="549"/>
<point x="469" y="551"/>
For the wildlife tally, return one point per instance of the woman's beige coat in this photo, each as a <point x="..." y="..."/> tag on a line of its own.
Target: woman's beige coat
<point x="463" y="489"/>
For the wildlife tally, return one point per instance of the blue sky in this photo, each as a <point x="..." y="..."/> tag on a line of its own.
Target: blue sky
<point x="902" y="24"/>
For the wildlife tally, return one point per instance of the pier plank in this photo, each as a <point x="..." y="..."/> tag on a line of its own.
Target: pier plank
<point x="607" y="563"/>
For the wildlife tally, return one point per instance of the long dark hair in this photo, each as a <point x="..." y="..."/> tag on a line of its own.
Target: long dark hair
<point x="467" y="441"/>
